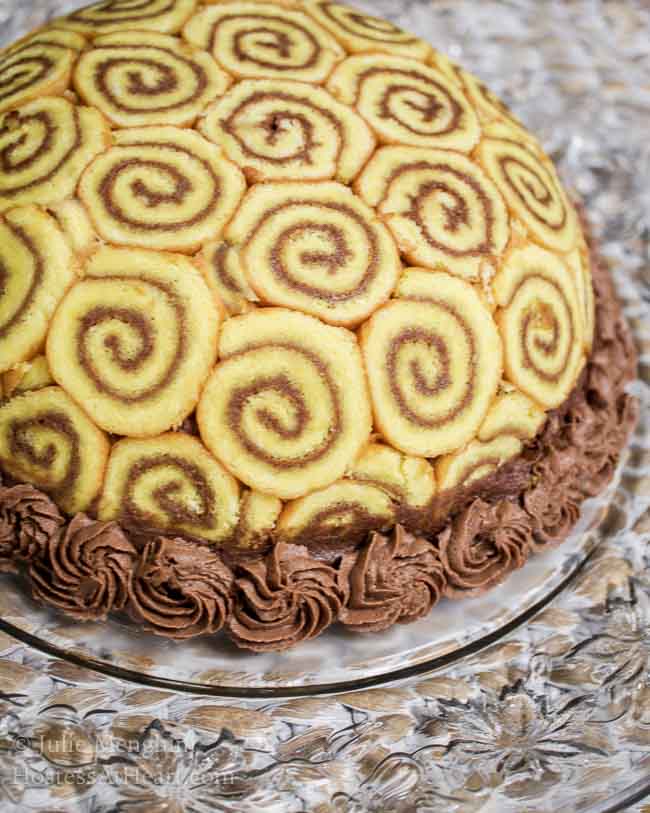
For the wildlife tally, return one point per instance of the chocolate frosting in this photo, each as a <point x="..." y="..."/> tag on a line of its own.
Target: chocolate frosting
<point x="283" y="599"/>
<point x="84" y="569"/>
<point x="471" y="538"/>
<point x="393" y="579"/>
<point x="180" y="589"/>
<point x="483" y="545"/>
<point x="28" y="520"/>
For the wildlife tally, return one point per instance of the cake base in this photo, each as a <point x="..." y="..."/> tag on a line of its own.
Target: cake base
<point x="183" y="588"/>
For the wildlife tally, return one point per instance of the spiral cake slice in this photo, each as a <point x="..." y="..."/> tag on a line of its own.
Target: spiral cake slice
<point x="434" y="362"/>
<point x="491" y="109"/>
<point x="344" y="510"/>
<point x="46" y="440"/>
<point x="139" y="78"/>
<point x="442" y="209"/>
<point x="513" y="419"/>
<point x="409" y="480"/>
<point x="167" y="16"/>
<point x="406" y="102"/>
<point x="258" y="517"/>
<point x="163" y="188"/>
<point x="282" y="130"/>
<point x="172" y="483"/>
<point x="36" y="269"/>
<point x="261" y="40"/>
<point x="578" y="261"/>
<point x="30" y="375"/>
<point x="44" y="147"/>
<point x="222" y="270"/>
<point x="72" y="217"/>
<point x="532" y="190"/>
<point x="286" y="409"/>
<point x="317" y="248"/>
<point x="361" y="32"/>
<point x="39" y="65"/>
<point x="541" y="325"/>
<point x="134" y="341"/>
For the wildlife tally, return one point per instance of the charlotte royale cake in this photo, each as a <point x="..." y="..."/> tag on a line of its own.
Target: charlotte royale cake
<point x="297" y="324"/>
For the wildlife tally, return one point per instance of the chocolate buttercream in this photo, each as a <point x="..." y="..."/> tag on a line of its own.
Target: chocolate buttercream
<point x="393" y="579"/>
<point x="84" y="569"/>
<point x="483" y="546"/>
<point x="283" y="599"/>
<point x="181" y="589"/>
<point x="28" y="519"/>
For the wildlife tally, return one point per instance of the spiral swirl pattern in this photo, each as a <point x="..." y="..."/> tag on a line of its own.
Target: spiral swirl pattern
<point x="46" y="440"/>
<point x="541" y="325"/>
<point x="134" y="341"/>
<point x="344" y="510"/>
<point x="442" y="209"/>
<point x="139" y="78"/>
<point x="361" y="32"/>
<point x="281" y="130"/>
<point x="44" y="147"/>
<point x="259" y="40"/>
<point x="406" y="102"/>
<point x="532" y="190"/>
<point x="316" y="248"/>
<point x="36" y="269"/>
<point x="162" y="188"/>
<point x="434" y="363"/>
<point x="37" y="66"/>
<point x="170" y="482"/>
<point x="286" y="409"/>
<point x="166" y="16"/>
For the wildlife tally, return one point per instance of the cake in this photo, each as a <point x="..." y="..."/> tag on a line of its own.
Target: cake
<point x="298" y="325"/>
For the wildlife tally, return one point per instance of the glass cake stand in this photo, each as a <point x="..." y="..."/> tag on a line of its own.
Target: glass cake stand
<point x="535" y="697"/>
<point x="336" y="661"/>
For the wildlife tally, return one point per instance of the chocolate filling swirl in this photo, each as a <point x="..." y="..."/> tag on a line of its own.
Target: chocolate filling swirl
<point x="112" y="12"/>
<point x="265" y="34"/>
<point x="436" y="111"/>
<point x="164" y="78"/>
<point x="529" y="182"/>
<point x="242" y="398"/>
<point x="47" y="458"/>
<point x="17" y="312"/>
<point x="372" y="28"/>
<point x="19" y="125"/>
<point x="181" y="189"/>
<point x="140" y="328"/>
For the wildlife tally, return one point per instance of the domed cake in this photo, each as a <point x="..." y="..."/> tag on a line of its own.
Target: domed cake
<point x="297" y="323"/>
